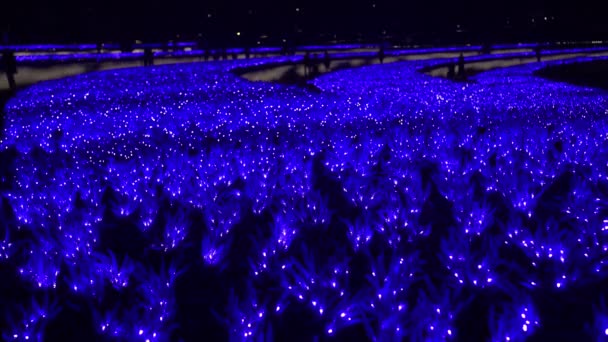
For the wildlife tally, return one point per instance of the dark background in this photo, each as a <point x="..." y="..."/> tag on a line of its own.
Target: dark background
<point x="424" y="21"/>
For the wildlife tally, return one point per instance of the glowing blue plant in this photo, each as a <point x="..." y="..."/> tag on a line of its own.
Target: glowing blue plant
<point x="388" y="200"/>
<point x="513" y="323"/>
<point x="33" y="319"/>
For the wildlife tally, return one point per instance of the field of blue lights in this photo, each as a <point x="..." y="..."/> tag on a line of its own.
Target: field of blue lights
<point x="183" y="202"/>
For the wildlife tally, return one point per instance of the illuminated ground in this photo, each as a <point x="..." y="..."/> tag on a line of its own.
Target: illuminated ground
<point x="183" y="201"/>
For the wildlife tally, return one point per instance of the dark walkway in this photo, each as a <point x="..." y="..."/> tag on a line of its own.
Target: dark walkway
<point x="590" y="74"/>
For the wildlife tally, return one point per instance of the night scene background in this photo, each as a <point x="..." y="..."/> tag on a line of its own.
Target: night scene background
<point x="312" y="21"/>
<point x="303" y="171"/>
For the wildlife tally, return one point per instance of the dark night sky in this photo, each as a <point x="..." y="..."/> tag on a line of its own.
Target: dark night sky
<point x="71" y="20"/>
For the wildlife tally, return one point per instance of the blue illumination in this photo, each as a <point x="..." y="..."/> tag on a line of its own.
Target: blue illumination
<point x="388" y="201"/>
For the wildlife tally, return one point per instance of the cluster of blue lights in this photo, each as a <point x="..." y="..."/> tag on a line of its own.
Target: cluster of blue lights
<point x="386" y="203"/>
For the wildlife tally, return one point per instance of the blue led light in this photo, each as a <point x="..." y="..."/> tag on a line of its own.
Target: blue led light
<point x="389" y="200"/>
